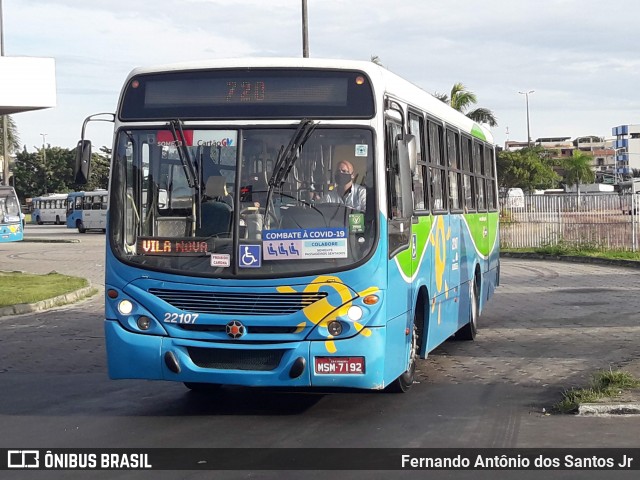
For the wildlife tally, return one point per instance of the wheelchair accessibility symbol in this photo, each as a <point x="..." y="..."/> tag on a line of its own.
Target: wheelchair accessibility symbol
<point x="250" y="256"/>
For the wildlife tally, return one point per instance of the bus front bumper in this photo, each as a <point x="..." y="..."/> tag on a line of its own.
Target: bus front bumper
<point x="356" y="362"/>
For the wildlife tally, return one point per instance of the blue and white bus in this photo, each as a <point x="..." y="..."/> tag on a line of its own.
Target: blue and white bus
<point x="11" y="220"/>
<point x="49" y="208"/>
<point x="293" y="223"/>
<point x="87" y="210"/>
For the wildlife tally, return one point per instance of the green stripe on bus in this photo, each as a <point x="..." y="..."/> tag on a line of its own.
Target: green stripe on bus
<point x="477" y="132"/>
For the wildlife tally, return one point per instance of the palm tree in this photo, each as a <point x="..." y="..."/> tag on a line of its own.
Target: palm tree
<point x="13" y="144"/>
<point x="461" y="99"/>
<point x="577" y="170"/>
<point x="376" y="59"/>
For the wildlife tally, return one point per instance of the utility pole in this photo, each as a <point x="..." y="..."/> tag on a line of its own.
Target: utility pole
<point x="5" y="123"/>
<point x="305" y="30"/>
<point x="44" y="161"/>
<point x="526" y="94"/>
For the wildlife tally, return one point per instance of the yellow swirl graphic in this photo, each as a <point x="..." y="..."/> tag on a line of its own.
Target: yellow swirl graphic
<point x="322" y="312"/>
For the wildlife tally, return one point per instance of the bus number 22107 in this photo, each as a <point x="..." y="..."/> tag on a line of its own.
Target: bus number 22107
<point x="180" y="317"/>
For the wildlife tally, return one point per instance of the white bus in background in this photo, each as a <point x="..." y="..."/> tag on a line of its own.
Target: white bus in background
<point x="50" y="208"/>
<point x="87" y="210"/>
<point x="513" y="198"/>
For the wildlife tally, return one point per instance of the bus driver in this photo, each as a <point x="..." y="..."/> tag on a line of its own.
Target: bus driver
<point x="345" y="191"/>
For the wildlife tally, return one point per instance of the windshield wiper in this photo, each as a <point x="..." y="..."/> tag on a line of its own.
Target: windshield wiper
<point x="183" y="152"/>
<point x="287" y="156"/>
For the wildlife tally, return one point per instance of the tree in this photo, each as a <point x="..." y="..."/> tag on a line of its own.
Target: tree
<point x="376" y="59"/>
<point x="13" y="141"/>
<point x="31" y="172"/>
<point x="577" y="169"/>
<point x="529" y="169"/>
<point x="462" y="99"/>
<point x="28" y="174"/>
<point x="99" y="170"/>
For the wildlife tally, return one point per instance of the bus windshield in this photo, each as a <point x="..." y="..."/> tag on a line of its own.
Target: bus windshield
<point x="243" y="202"/>
<point x="11" y="218"/>
<point x="9" y="207"/>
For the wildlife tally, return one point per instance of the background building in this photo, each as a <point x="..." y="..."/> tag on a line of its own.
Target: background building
<point x="26" y="83"/>
<point x="627" y="148"/>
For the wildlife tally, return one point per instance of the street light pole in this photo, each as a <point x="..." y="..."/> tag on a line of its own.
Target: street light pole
<point x="526" y="94"/>
<point x="44" y="161"/>
<point x="5" y="122"/>
<point x="305" y="30"/>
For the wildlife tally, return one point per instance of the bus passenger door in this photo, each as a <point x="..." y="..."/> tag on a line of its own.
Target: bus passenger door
<point x="399" y="239"/>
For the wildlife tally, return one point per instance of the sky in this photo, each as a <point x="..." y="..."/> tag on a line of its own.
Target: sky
<point x="580" y="57"/>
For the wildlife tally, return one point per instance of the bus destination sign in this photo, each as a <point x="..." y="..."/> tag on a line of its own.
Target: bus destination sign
<point x="173" y="246"/>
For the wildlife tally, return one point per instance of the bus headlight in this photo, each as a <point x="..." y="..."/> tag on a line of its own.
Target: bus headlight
<point x="143" y="322"/>
<point x="125" y="307"/>
<point x="354" y="313"/>
<point x="334" y="328"/>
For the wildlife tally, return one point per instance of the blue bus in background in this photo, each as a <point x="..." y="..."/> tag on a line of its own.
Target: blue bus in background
<point x="11" y="224"/>
<point x="87" y="210"/>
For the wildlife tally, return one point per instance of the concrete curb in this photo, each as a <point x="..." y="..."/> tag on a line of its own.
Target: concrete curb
<point x="51" y="240"/>
<point x="573" y="259"/>
<point x="49" y="303"/>
<point x="608" y="409"/>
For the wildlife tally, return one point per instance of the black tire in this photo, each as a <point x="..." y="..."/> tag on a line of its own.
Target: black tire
<point x="202" y="387"/>
<point x="404" y="382"/>
<point x="58" y="222"/>
<point x="469" y="331"/>
<point x="80" y="226"/>
<point x="38" y="221"/>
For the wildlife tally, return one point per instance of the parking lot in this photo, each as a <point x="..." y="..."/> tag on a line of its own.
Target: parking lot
<point x="549" y="327"/>
<point x="586" y="316"/>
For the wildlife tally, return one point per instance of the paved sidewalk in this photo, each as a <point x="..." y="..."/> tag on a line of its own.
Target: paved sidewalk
<point x="550" y="327"/>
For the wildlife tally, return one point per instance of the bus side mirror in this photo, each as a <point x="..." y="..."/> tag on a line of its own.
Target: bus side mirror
<point x="404" y="161"/>
<point x="412" y="151"/>
<point x="82" y="168"/>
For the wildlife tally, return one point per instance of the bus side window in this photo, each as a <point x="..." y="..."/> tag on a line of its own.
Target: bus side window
<point x="416" y="128"/>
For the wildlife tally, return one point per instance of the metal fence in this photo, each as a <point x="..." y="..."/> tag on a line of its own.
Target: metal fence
<point x="608" y="221"/>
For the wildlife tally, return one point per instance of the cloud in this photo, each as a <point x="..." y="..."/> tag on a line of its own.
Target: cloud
<point x="576" y="55"/>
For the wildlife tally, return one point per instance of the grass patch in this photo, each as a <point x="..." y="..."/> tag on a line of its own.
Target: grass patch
<point x="604" y="384"/>
<point x="17" y="287"/>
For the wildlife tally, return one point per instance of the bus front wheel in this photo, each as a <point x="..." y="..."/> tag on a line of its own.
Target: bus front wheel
<point x="80" y="226"/>
<point x="38" y="221"/>
<point x="403" y="383"/>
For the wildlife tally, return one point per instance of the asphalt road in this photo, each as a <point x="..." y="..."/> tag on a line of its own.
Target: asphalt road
<point x="549" y="327"/>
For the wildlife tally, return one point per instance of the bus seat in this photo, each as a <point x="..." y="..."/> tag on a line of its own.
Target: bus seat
<point x="174" y="227"/>
<point x="215" y="210"/>
<point x="216" y="189"/>
<point x="215" y="219"/>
